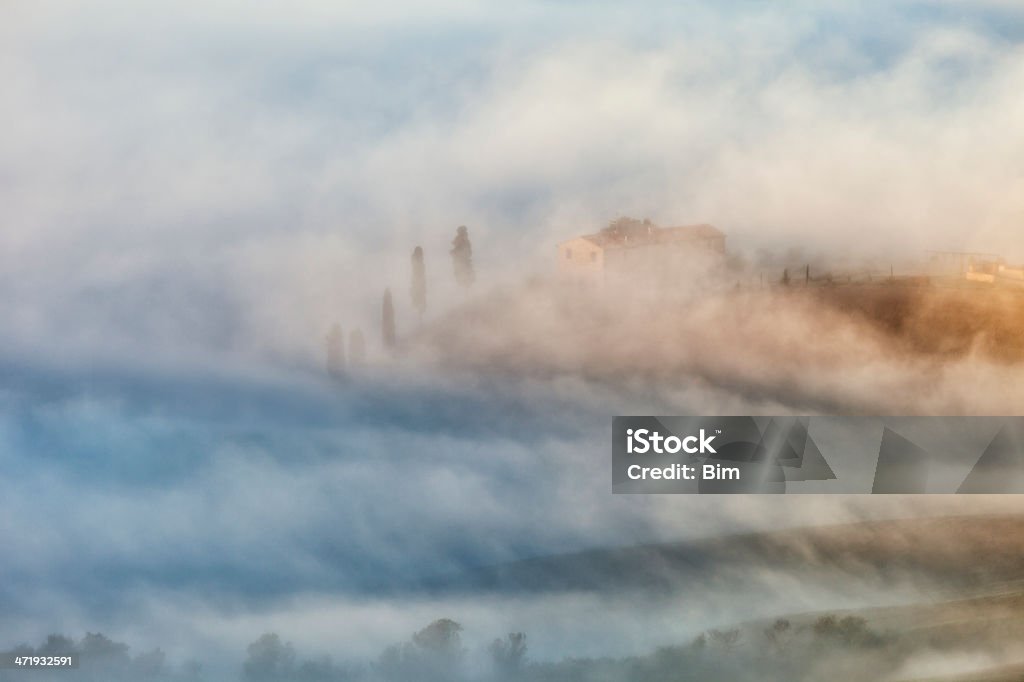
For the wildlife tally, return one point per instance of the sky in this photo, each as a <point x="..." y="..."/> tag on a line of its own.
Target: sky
<point x="193" y="192"/>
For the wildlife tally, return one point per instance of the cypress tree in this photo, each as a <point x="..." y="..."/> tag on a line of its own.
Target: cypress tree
<point x="462" y="258"/>
<point x="387" y="324"/>
<point x="418" y="289"/>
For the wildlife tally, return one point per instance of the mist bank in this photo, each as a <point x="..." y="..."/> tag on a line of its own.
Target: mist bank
<point x="206" y="194"/>
<point x="878" y="349"/>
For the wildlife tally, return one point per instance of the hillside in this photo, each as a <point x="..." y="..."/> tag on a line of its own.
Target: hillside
<point x="964" y="577"/>
<point x="937" y="321"/>
<point x="850" y="349"/>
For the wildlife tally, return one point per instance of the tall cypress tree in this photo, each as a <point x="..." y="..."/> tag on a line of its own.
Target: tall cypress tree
<point x="462" y="258"/>
<point x="387" y="323"/>
<point x="418" y="289"/>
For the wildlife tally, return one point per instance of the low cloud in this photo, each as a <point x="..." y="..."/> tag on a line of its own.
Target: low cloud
<point x="191" y="201"/>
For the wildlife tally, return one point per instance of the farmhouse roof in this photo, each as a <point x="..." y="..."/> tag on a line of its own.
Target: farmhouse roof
<point x="624" y="233"/>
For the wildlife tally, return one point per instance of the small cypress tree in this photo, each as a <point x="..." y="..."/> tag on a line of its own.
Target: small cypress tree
<point x="387" y="325"/>
<point x="462" y="258"/>
<point x="335" y="351"/>
<point x="418" y="289"/>
<point x="356" y="348"/>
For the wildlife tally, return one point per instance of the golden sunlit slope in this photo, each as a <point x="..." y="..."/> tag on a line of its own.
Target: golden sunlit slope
<point x="942" y="321"/>
<point x="860" y="349"/>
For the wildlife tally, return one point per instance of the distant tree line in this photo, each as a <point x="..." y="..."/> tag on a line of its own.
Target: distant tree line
<point x="780" y="651"/>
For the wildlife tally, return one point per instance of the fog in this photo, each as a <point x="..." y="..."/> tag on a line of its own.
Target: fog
<point x="279" y="168"/>
<point x="194" y="193"/>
